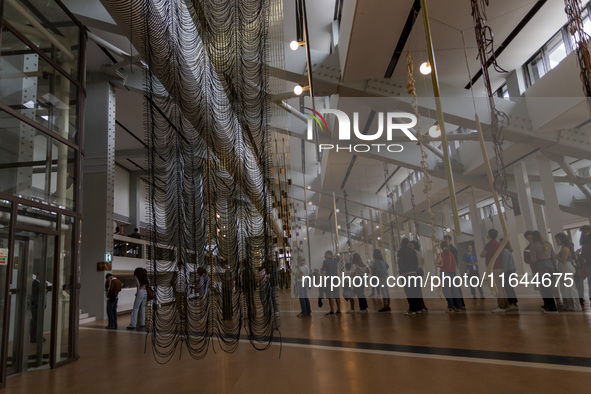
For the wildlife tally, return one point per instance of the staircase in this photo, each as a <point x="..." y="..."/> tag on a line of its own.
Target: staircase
<point x="85" y="317"/>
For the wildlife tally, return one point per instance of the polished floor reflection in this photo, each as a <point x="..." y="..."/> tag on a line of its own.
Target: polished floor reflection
<point x="472" y="352"/>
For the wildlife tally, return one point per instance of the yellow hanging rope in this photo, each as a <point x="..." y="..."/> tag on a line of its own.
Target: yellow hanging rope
<point x="491" y="181"/>
<point x="424" y="167"/>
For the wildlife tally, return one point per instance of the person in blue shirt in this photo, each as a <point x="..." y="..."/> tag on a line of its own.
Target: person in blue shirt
<point x="471" y="264"/>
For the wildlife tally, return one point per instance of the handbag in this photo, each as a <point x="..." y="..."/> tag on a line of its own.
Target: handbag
<point x="151" y="293"/>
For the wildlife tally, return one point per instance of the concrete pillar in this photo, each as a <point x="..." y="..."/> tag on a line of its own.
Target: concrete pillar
<point x="98" y="200"/>
<point x="550" y="197"/>
<point x="526" y="204"/>
<point x="134" y="200"/>
<point x="511" y="222"/>
<point x="541" y="220"/>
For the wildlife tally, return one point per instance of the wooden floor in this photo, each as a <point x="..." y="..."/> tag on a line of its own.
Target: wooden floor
<point x="475" y="352"/>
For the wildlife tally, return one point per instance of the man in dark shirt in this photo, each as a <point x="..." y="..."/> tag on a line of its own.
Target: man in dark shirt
<point x="112" y="287"/>
<point x="135" y="234"/>
<point x="330" y="267"/>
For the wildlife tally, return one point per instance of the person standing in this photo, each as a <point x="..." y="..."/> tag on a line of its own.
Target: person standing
<point x="330" y="267"/>
<point x="112" y="287"/>
<point x="543" y="260"/>
<point x="448" y="273"/>
<point x="489" y="250"/>
<point x="420" y="272"/>
<point x="360" y="270"/>
<point x="141" y="296"/>
<point x="381" y="271"/>
<point x="471" y="268"/>
<point x="585" y="242"/>
<point x="180" y="284"/>
<point x="303" y="270"/>
<point x="135" y="234"/>
<point x="508" y="264"/>
<point x="570" y="295"/>
<point x="408" y="265"/>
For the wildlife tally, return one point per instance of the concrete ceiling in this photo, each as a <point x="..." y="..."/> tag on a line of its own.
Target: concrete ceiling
<point x="369" y="33"/>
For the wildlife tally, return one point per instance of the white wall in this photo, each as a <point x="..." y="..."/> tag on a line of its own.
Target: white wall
<point x="121" y="192"/>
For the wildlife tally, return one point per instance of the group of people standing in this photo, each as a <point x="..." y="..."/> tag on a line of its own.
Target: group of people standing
<point x="539" y="255"/>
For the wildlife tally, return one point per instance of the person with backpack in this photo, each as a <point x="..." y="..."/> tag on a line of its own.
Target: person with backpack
<point x="112" y="287"/>
<point x="381" y="271"/>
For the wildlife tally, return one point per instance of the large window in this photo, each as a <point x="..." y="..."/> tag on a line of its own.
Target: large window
<point x="554" y="51"/>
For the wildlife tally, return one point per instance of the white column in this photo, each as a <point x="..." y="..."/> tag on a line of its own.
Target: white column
<point x="540" y="220"/>
<point x="514" y="239"/>
<point x="476" y="230"/>
<point x="524" y="196"/>
<point x="550" y="197"/>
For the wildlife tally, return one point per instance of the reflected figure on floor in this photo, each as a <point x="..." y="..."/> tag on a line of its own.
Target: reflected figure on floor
<point x="471" y="268"/>
<point x="565" y="257"/>
<point x="140" y="276"/>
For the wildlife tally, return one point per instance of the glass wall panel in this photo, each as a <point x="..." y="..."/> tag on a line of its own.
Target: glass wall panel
<point x="64" y="288"/>
<point x="58" y="37"/>
<point x="35" y="166"/>
<point x="5" y="214"/>
<point x="36" y="217"/>
<point x="31" y="86"/>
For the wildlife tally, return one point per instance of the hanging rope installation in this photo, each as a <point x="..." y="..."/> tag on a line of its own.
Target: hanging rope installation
<point x="209" y="158"/>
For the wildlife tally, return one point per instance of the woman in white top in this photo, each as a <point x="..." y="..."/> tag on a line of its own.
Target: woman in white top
<point x="570" y="296"/>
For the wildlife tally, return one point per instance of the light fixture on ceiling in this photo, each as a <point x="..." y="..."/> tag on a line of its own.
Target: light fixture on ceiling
<point x="294" y="45"/>
<point x="339" y="227"/>
<point x="309" y="202"/>
<point x="435" y="131"/>
<point x="309" y="187"/>
<point x="338" y="210"/>
<point x="377" y="226"/>
<point x="448" y="230"/>
<point x="300" y="89"/>
<point x="425" y="68"/>
<point x="379" y="238"/>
